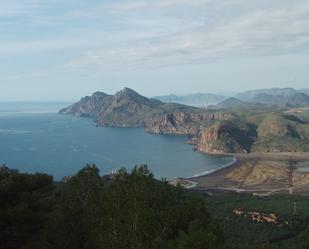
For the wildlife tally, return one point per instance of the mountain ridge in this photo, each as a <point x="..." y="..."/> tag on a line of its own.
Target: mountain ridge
<point x="281" y="97"/>
<point x="254" y="128"/>
<point x="195" y="99"/>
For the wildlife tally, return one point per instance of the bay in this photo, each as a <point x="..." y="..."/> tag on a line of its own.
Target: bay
<point x="34" y="138"/>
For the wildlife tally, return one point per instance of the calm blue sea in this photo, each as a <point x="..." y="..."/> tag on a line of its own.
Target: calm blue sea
<point x="34" y="138"/>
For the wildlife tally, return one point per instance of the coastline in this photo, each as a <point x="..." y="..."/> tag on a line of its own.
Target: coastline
<point x="259" y="174"/>
<point x="190" y="183"/>
<point x="248" y="172"/>
<point x="214" y="170"/>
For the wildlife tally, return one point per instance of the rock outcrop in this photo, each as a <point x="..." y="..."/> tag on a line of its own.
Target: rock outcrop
<point x="128" y="108"/>
<point x="223" y="137"/>
<point x="210" y="131"/>
<point x="124" y="109"/>
<point x="182" y="122"/>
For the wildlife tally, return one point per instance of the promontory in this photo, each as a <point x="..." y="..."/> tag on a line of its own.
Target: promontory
<point x="219" y="130"/>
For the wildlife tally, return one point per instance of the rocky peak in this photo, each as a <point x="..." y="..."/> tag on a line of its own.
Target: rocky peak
<point x="129" y="96"/>
<point x="127" y="92"/>
<point x="99" y="95"/>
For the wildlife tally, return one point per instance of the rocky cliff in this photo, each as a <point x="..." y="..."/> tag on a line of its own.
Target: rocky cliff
<point x="223" y="137"/>
<point x="128" y="108"/>
<point x="210" y="131"/>
<point x="125" y="108"/>
<point x="182" y="122"/>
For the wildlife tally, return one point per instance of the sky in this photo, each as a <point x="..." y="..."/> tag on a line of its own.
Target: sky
<point x="59" y="50"/>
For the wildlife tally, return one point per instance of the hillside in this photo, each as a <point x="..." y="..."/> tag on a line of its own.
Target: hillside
<point x="243" y="129"/>
<point x="230" y="102"/>
<point x="276" y="131"/>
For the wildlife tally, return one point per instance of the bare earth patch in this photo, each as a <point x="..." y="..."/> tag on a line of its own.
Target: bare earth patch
<point x="260" y="174"/>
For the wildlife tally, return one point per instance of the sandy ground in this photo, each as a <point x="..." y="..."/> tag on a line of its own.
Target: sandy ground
<point x="260" y="174"/>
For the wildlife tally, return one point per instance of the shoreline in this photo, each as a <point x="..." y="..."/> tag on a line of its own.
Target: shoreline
<point x="253" y="155"/>
<point x="188" y="182"/>
<point x="208" y="172"/>
<point x="260" y="174"/>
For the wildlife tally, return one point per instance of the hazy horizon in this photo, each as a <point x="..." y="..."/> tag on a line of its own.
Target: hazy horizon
<point x="61" y="50"/>
<point x="66" y="101"/>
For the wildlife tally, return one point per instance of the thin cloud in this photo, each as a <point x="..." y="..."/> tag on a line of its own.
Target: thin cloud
<point x="259" y="32"/>
<point x="156" y="33"/>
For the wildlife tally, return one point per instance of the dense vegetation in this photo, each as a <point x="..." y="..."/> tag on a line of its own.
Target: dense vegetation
<point x="129" y="210"/>
<point x="243" y="233"/>
<point x="25" y="204"/>
<point x="133" y="210"/>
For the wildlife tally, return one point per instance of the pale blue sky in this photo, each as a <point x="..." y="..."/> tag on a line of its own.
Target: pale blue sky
<point x="64" y="49"/>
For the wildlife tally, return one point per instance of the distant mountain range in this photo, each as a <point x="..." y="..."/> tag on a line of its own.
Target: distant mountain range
<point x="248" y="127"/>
<point x="281" y="97"/>
<point x="198" y="99"/>
<point x="284" y="92"/>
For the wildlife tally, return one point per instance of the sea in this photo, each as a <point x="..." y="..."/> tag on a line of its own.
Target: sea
<point x="35" y="138"/>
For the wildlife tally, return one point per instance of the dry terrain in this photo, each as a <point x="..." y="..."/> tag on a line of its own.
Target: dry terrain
<point x="261" y="174"/>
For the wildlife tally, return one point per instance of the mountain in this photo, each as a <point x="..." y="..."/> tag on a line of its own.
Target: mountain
<point x="127" y="108"/>
<point x="298" y="100"/>
<point x="280" y="97"/>
<point x="198" y="99"/>
<point x="294" y="100"/>
<point x="278" y="132"/>
<point x="255" y="130"/>
<point x="283" y="92"/>
<point x="234" y="104"/>
<point x="230" y="103"/>
<point x="250" y="127"/>
<point x="283" y="97"/>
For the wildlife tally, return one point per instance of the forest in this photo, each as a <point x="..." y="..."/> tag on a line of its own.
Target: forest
<point x="132" y="210"/>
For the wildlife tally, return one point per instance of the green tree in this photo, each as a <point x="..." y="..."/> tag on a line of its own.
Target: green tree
<point x="25" y="202"/>
<point x="123" y="211"/>
<point x="304" y="240"/>
<point x="201" y="235"/>
<point x="77" y="212"/>
<point x="146" y="213"/>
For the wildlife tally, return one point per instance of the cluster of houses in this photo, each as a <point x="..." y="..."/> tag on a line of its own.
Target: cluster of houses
<point x="258" y="217"/>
